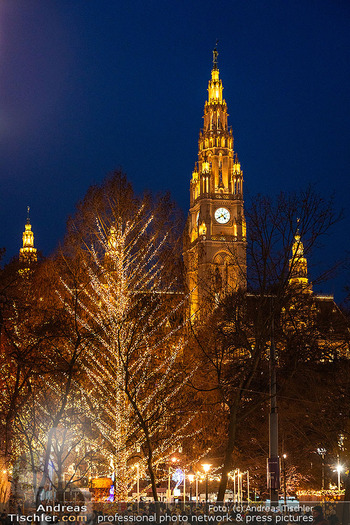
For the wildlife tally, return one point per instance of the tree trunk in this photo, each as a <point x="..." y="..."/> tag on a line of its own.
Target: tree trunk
<point x="229" y="450"/>
<point x="152" y="476"/>
<point x="45" y="475"/>
<point x="60" y="483"/>
<point x="145" y="430"/>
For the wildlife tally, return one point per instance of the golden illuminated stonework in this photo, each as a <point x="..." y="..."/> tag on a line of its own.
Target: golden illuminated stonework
<point x="298" y="265"/>
<point x="215" y="238"/>
<point x="27" y="254"/>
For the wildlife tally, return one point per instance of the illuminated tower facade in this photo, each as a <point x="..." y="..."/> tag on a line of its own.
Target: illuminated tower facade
<point x="27" y="254"/>
<point x="298" y="265"/>
<point x="215" y="239"/>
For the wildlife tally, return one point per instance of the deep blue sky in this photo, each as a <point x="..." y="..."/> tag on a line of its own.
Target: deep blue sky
<point x="92" y="85"/>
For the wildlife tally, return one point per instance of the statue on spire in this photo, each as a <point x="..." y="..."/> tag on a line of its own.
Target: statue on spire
<point x="215" y="56"/>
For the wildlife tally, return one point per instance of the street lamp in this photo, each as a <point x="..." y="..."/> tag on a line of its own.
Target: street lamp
<point x="184" y="489"/>
<point x="248" y="492"/>
<point x="240" y="487"/>
<point x="190" y="476"/>
<point x="138" y="450"/>
<point x="173" y="461"/>
<point x="339" y="469"/>
<point x="206" y="468"/>
<point x="322" y="452"/>
<point x="284" y="481"/>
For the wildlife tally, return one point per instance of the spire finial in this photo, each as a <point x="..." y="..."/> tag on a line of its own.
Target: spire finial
<point x="28" y="210"/>
<point x="215" y="55"/>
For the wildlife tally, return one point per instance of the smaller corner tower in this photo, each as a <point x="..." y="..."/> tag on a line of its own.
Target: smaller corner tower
<point x="27" y="254"/>
<point x="215" y="239"/>
<point x="298" y="276"/>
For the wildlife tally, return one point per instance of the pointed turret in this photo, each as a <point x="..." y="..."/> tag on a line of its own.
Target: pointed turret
<point x="298" y="264"/>
<point x="217" y="170"/>
<point x="27" y="254"/>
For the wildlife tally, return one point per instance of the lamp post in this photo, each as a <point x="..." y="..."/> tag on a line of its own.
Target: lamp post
<point x="284" y="480"/>
<point x="322" y="452"/>
<point x="169" y="489"/>
<point x="240" y="487"/>
<point x="173" y="461"/>
<point x="234" y="487"/>
<point x="273" y="463"/>
<point x="184" y="489"/>
<point x="339" y="469"/>
<point x="138" y="450"/>
<point x="206" y="468"/>
<point x="248" y="491"/>
<point x="190" y="479"/>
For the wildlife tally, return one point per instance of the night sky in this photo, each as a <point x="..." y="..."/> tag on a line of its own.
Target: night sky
<point x="88" y="86"/>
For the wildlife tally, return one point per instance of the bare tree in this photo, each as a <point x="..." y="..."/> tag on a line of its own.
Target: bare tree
<point x="234" y="343"/>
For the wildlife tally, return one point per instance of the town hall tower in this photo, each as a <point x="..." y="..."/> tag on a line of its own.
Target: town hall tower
<point x="215" y="237"/>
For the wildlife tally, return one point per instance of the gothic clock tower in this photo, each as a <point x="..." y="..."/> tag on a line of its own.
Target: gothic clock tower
<point x="215" y="237"/>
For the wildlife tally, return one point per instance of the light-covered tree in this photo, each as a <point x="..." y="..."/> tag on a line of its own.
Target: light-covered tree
<point x="132" y="313"/>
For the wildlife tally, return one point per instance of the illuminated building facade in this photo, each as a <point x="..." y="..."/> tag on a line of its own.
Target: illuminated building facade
<point x="215" y="237"/>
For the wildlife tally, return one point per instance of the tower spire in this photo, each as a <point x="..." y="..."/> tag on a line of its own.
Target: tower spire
<point x="216" y="253"/>
<point x="298" y="263"/>
<point x="27" y="254"/>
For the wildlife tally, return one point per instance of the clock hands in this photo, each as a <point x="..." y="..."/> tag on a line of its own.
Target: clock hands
<point x="222" y="215"/>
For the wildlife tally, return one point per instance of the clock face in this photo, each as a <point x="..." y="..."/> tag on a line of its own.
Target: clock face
<point x="222" y="215"/>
